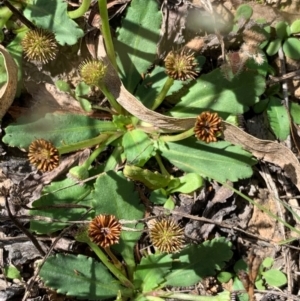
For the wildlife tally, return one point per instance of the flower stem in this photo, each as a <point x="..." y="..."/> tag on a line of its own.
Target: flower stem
<point x="178" y="137"/>
<point x="182" y="296"/>
<point x="106" y="32"/>
<point x="162" y="94"/>
<point x="110" y="98"/>
<point x="114" y="270"/>
<point x="161" y="165"/>
<point x="81" y="10"/>
<point x="85" y="144"/>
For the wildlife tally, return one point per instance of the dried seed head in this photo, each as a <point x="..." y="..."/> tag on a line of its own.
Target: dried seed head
<point x="181" y="65"/>
<point x="105" y="230"/>
<point x="92" y="72"/>
<point x="39" y="45"/>
<point x="43" y="155"/>
<point x="166" y="235"/>
<point x="208" y="126"/>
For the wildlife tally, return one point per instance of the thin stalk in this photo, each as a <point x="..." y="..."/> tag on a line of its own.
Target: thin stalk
<point x="110" y="98"/>
<point x="162" y="94"/>
<point x="96" y="107"/>
<point x="114" y="270"/>
<point x="178" y="137"/>
<point x="81" y="10"/>
<point x="183" y="296"/>
<point x="85" y="144"/>
<point x="161" y="165"/>
<point x="106" y="32"/>
<point x="99" y="150"/>
<point x="115" y="260"/>
<point x="82" y="236"/>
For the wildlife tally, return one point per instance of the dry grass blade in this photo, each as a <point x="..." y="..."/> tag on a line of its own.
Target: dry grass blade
<point x="8" y="91"/>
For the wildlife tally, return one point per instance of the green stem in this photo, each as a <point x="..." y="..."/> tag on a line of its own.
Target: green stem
<point x="85" y="144"/>
<point x="178" y="137"/>
<point x="99" y="150"/>
<point x="161" y="165"/>
<point x="182" y="296"/>
<point x="162" y="94"/>
<point x="115" y="271"/>
<point x="81" y="10"/>
<point x="5" y="14"/>
<point x="106" y="32"/>
<point x="96" y="107"/>
<point x="82" y="236"/>
<point x="110" y="98"/>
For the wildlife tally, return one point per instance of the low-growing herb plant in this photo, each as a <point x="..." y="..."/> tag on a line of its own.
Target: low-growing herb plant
<point x="189" y="136"/>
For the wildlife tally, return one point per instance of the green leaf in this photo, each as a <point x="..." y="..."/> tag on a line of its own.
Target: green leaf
<point x="291" y="48"/>
<point x="220" y="160"/>
<point x="224" y="277"/>
<point x="295" y="112"/>
<point x="295" y="27"/>
<point x="243" y="11"/>
<point x="82" y="89"/>
<point x="260" y="284"/>
<point x="268" y="262"/>
<point x="59" y="193"/>
<point x="273" y="47"/>
<point x="115" y="195"/>
<point x="238" y="286"/>
<point x="213" y="92"/>
<point x="278" y="118"/>
<point x="188" y="183"/>
<point x="138" y="147"/>
<point x="136" y="41"/>
<point x="52" y="15"/>
<point x="198" y="261"/>
<point x="11" y="272"/>
<point x="158" y="197"/>
<point x="151" y="271"/>
<point x="281" y="30"/>
<point x="274" y="277"/>
<point x="79" y="276"/>
<point x="59" y="129"/>
<point x="63" y="86"/>
<point x="149" y="88"/>
<point x="152" y="180"/>
<point x="261" y="105"/>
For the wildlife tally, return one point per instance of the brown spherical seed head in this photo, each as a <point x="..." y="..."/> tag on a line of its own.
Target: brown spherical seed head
<point x="181" y="65"/>
<point x="92" y="72"/>
<point x="207" y="126"/>
<point x="43" y="155"/>
<point x="167" y="236"/>
<point x="39" y="45"/>
<point x="104" y="230"/>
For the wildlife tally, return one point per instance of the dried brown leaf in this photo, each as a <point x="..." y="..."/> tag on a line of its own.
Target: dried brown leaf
<point x="134" y="106"/>
<point x="266" y="150"/>
<point x="8" y="91"/>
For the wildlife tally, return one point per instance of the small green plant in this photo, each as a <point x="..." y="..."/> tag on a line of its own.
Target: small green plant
<point x="285" y="36"/>
<point x="268" y="276"/>
<point x="188" y="136"/>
